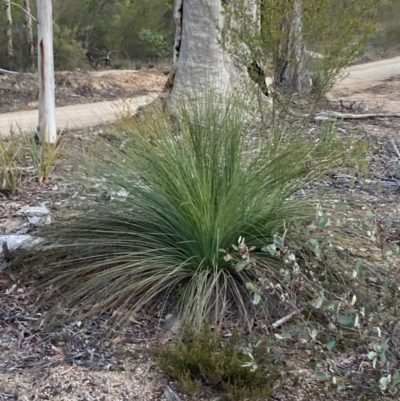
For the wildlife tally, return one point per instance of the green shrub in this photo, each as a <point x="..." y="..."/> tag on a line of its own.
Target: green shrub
<point x="69" y="53"/>
<point x="204" y="359"/>
<point x="153" y="44"/>
<point x="177" y="194"/>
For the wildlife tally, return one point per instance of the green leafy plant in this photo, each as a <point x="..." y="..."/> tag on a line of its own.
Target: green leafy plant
<point x="336" y="31"/>
<point x="43" y="155"/>
<point x="153" y="44"/>
<point x="69" y="52"/>
<point x="331" y="292"/>
<point x="173" y="193"/>
<point x="203" y="359"/>
<point x="9" y="173"/>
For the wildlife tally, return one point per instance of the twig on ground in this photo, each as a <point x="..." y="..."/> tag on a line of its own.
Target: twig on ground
<point x="171" y="395"/>
<point x="334" y="115"/>
<point x="284" y="319"/>
<point x="396" y="150"/>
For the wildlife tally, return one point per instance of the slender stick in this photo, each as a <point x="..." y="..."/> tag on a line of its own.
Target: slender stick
<point x="396" y="150"/>
<point x="23" y="9"/>
<point x="7" y="71"/>
<point x="284" y="319"/>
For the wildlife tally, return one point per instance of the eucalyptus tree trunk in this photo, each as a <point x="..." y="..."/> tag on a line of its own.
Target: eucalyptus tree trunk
<point x="47" y="116"/>
<point x="200" y="63"/>
<point x="10" y="49"/>
<point x="293" y="75"/>
<point x="28" y="30"/>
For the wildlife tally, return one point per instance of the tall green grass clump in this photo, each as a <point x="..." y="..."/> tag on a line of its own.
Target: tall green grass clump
<point x="178" y="192"/>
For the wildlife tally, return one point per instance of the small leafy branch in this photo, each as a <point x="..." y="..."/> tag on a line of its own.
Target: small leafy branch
<point x="360" y="314"/>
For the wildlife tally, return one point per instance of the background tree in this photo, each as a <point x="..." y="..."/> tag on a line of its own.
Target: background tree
<point x="28" y="31"/>
<point x="142" y="32"/>
<point x="200" y="60"/>
<point x="47" y="115"/>
<point x="336" y="30"/>
<point x="10" y="48"/>
<point x="294" y="75"/>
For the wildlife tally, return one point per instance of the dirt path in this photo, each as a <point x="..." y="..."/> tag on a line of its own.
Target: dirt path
<point x="82" y="98"/>
<point x="73" y="116"/>
<point x="376" y="84"/>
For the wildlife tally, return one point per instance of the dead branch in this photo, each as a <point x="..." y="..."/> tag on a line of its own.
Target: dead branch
<point x="7" y="71"/>
<point x="334" y="115"/>
<point x="331" y="115"/>
<point x="23" y="9"/>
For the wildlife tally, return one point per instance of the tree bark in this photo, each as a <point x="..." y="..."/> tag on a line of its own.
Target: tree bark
<point x="292" y="73"/>
<point x="28" y="30"/>
<point x="47" y="116"/>
<point x="10" y="49"/>
<point x="200" y="63"/>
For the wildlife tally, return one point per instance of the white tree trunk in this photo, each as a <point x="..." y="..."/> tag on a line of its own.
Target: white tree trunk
<point x="10" y="49"/>
<point x="200" y="62"/>
<point x="28" y="30"/>
<point x="47" y="116"/>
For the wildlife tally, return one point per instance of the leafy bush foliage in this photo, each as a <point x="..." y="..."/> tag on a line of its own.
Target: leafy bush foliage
<point x="69" y="53"/>
<point x="203" y="358"/>
<point x="346" y="301"/>
<point x="153" y="44"/>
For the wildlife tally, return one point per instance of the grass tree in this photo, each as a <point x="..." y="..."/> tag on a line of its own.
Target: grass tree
<point x="174" y="198"/>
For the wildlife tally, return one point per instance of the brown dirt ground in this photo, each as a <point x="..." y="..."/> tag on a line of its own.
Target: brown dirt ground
<point x="379" y="96"/>
<point x="20" y="91"/>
